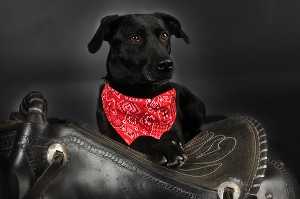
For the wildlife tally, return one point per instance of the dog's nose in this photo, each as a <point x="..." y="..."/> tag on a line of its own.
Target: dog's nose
<point x="165" y="65"/>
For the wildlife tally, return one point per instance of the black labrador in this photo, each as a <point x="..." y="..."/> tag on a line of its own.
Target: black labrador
<point x="139" y="67"/>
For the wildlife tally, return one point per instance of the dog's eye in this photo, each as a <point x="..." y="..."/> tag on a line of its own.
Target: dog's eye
<point x="134" y="39"/>
<point x="164" y="36"/>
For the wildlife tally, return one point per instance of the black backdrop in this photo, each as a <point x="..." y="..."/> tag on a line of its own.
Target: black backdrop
<point x="244" y="58"/>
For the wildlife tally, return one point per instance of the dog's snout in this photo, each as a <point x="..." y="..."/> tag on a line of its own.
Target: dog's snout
<point x="165" y="65"/>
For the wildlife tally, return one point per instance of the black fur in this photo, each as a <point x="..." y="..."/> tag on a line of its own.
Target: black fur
<point x="139" y="65"/>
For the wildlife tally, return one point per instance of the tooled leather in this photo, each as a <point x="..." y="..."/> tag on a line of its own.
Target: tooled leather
<point x="287" y="178"/>
<point x="205" y="154"/>
<point x="6" y="144"/>
<point x="101" y="152"/>
<point x="123" y="163"/>
<point x="7" y="136"/>
<point x="204" y="173"/>
<point x="31" y="143"/>
<point x="203" y="170"/>
<point x="278" y="182"/>
<point x="34" y="150"/>
<point x="262" y="156"/>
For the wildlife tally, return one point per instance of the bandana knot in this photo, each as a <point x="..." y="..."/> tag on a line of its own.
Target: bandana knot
<point x="133" y="117"/>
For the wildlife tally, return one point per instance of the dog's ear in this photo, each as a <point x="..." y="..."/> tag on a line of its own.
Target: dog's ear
<point x="102" y="33"/>
<point x="173" y="25"/>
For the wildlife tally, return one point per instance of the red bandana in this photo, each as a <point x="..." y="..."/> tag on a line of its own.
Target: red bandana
<point x="134" y="117"/>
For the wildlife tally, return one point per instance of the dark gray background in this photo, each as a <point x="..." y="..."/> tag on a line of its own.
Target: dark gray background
<point x="243" y="58"/>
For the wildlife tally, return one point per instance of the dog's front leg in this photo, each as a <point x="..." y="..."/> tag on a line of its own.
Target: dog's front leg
<point x="167" y="150"/>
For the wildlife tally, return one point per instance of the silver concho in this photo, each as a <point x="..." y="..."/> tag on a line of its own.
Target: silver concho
<point x="232" y="185"/>
<point x="51" y="151"/>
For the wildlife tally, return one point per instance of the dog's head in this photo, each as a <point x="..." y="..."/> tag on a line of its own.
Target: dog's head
<point x="140" y="46"/>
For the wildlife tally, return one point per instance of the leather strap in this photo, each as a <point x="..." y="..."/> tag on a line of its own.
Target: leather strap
<point x="228" y="193"/>
<point x="46" y="179"/>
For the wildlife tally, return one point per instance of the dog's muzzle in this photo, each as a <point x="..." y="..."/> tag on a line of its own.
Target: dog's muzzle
<point x="160" y="72"/>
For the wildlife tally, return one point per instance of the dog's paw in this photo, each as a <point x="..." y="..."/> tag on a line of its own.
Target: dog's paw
<point x="164" y="152"/>
<point x="169" y="154"/>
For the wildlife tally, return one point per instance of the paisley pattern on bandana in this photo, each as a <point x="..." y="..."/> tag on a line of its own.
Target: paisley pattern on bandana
<point x="133" y="117"/>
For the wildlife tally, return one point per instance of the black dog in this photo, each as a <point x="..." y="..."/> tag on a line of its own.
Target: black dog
<point x="139" y="67"/>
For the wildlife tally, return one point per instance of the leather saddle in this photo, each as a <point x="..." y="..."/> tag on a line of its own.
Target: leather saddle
<point x="52" y="158"/>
